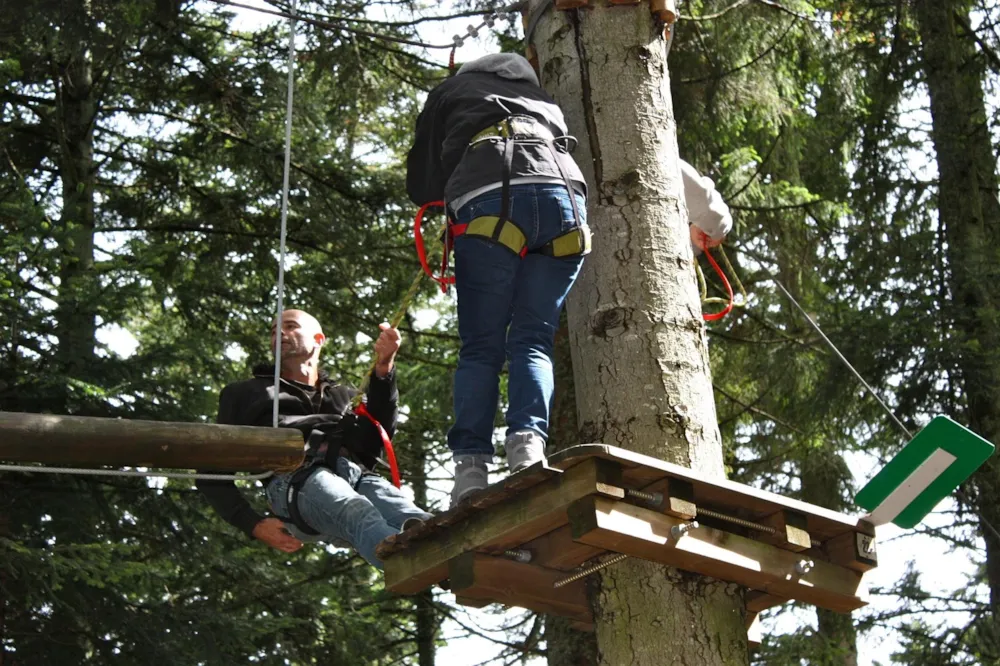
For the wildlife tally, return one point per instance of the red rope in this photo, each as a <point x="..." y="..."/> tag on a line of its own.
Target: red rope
<point x="390" y="453"/>
<point x="418" y="239"/>
<point x="712" y="316"/>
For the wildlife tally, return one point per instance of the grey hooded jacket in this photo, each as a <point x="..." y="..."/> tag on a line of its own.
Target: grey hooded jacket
<point x="484" y="92"/>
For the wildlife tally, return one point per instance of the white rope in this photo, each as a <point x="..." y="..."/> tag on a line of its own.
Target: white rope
<point x="129" y="472"/>
<point x="284" y="215"/>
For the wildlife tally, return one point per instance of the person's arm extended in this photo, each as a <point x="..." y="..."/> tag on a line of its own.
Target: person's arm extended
<point x="383" y="396"/>
<point x="224" y="496"/>
<point x="707" y="211"/>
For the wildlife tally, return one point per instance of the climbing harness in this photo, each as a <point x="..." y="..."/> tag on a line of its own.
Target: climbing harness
<point x="513" y="130"/>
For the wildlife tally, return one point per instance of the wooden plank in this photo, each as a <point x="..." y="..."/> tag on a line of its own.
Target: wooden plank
<point x="789" y="530"/>
<point x="855" y="550"/>
<point x="758" y="601"/>
<point x="504" y="581"/>
<point x="678" y="497"/>
<point x="557" y="550"/>
<point x="571" y="4"/>
<point x="755" y="632"/>
<point x="523" y="517"/>
<point x="470" y="602"/>
<point x="496" y="493"/>
<point x="638" y="532"/>
<point x="666" y="10"/>
<point x="640" y="471"/>
<point x="93" y="442"/>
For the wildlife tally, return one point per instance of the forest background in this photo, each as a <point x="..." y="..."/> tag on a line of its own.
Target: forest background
<point x="140" y="177"/>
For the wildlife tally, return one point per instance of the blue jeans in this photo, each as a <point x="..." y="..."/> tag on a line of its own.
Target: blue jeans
<point x="508" y="307"/>
<point x="353" y="506"/>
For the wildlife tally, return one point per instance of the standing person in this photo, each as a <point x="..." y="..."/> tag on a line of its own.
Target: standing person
<point x="494" y="146"/>
<point x="335" y="496"/>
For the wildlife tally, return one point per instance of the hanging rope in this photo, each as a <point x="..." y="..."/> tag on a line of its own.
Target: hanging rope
<point x="284" y="215"/>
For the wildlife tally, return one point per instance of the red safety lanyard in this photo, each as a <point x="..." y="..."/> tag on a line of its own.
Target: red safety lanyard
<point x="362" y="410"/>
<point x="418" y="237"/>
<point x="713" y="316"/>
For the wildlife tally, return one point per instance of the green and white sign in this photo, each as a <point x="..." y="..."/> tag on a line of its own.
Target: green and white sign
<point x="928" y="469"/>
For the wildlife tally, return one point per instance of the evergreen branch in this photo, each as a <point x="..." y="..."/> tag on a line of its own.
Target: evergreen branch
<point x="987" y="50"/>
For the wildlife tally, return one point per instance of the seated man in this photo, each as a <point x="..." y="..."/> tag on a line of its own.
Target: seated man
<point x="339" y="497"/>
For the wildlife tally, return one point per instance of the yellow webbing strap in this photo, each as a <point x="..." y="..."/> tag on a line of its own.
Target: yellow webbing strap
<point x="510" y="236"/>
<point x="572" y="243"/>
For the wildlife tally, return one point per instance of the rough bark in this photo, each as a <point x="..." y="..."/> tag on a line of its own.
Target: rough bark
<point x="639" y="347"/>
<point x="426" y="617"/>
<point x="969" y="211"/>
<point x="564" y="645"/>
<point x="74" y="126"/>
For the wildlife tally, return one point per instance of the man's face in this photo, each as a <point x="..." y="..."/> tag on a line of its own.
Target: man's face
<point x="301" y="335"/>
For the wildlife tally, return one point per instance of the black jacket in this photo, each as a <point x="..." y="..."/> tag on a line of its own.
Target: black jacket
<point x="318" y="412"/>
<point x="438" y="166"/>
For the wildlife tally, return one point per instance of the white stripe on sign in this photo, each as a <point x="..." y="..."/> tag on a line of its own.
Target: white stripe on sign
<point x="916" y="483"/>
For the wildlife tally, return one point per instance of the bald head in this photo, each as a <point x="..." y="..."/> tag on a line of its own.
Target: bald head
<point x="301" y="336"/>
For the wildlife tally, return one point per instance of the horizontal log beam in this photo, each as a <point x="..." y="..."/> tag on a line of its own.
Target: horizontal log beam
<point x="639" y="532"/>
<point x="85" y="441"/>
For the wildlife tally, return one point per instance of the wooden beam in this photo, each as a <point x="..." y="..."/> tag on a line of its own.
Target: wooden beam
<point x="571" y="4"/>
<point x="557" y="550"/>
<point x="504" y="581"/>
<point x="855" y="550"/>
<point x="521" y="518"/>
<point x="641" y="471"/>
<point x="639" y="532"/>
<point x="758" y="601"/>
<point x="93" y="442"/>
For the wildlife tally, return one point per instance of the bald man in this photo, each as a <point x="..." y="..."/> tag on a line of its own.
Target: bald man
<point x="335" y="496"/>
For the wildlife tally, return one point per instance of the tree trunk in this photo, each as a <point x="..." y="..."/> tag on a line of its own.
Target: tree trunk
<point x="426" y="618"/>
<point x="74" y="127"/>
<point x="969" y="211"/>
<point x="564" y="645"/>
<point x="823" y="477"/>
<point x="640" y="356"/>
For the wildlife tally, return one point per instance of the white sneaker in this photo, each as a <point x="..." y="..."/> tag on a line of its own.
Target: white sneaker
<point x="471" y="475"/>
<point x="524" y="448"/>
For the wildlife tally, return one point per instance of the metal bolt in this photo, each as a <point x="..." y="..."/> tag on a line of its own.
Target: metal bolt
<point x="518" y="554"/>
<point x="589" y="570"/>
<point x="802" y="567"/>
<point x="656" y="499"/>
<point x="736" y="521"/>
<point x="677" y="531"/>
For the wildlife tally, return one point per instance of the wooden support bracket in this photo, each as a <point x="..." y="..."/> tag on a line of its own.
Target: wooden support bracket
<point x="497" y="579"/>
<point x="789" y="530"/>
<point x="646" y="534"/>
<point x="519" y="519"/>
<point x="665" y="10"/>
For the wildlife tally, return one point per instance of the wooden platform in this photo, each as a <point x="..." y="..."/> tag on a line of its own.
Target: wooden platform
<point x="85" y="441"/>
<point x="578" y="509"/>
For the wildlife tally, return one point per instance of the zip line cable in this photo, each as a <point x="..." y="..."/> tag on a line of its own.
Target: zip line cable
<point x="958" y="491"/>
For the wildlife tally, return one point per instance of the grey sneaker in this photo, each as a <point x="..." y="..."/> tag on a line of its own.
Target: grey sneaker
<point x="470" y="475"/>
<point x="524" y="448"/>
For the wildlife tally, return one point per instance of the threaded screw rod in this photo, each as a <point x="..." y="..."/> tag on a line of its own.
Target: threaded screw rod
<point x="589" y="570"/>
<point x="736" y="521"/>
<point x="518" y="554"/>
<point x="652" y="498"/>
